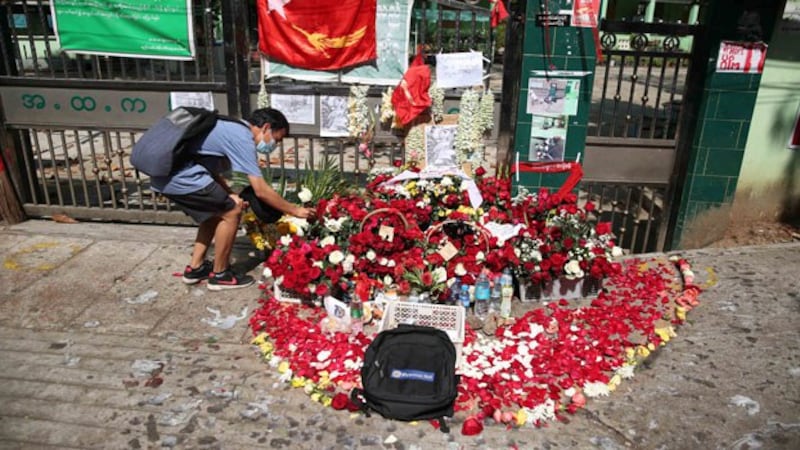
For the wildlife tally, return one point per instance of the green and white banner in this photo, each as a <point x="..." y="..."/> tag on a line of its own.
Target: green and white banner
<point x="160" y="29"/>
<point x="392" y="24"/>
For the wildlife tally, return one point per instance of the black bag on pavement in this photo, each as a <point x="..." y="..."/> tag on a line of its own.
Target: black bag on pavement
<point x="164" y="146"/>
<point x="409" y="374"/>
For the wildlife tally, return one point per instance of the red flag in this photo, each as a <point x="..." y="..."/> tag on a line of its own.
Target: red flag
<point x="499" y="13"/>
<point x="317" y="34"/>
<point x="411" y="97"/>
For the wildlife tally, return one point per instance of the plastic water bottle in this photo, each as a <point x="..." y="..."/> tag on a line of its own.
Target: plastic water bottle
<point x="455" y="292"/>
<point x="482" y="294"/>
<point x="464" y="296"/>
<point x="356" y="315"/>
<point x="506" y="292"/>
<point x="495" y="295"/>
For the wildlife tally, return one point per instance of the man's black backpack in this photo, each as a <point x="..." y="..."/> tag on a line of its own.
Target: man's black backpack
<point x="409" y="374"/>
<point x="164" y="146"/>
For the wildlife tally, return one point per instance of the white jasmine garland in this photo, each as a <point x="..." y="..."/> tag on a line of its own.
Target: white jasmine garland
<point x="304" y="195"/>
<point x="358" y="111"/>
<point x="437" y="102"/>
<point x="486" y="110"/>
<point x="387" y="110"/>
<point x="336" y="257"/>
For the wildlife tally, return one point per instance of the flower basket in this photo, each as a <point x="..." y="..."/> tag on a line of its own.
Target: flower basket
<point x="447" y="318"/>
<point x="384" y="211"/>
<point x="288" y="296"/>
<point x="481" y="233"/>
<point x="561" y="287"/>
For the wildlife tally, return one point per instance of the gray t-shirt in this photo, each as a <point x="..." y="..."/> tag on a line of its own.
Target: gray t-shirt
<point x="233" y="146"/>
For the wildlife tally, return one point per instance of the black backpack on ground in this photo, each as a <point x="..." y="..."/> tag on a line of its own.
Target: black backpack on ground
<point x="164" y="146"/>
<point x="409" y="374"/>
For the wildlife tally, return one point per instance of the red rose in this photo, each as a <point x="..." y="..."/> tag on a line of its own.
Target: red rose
<point x="427" y="278"/>
<point x="340" y="401"/>
<point x="472" y="426"/>
<point x="603" y="227"/>
<point x="480" y="171"/>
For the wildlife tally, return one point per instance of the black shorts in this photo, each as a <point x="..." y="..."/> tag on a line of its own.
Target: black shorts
<point x="263" y="211"/>
<point x="211" y="201"/>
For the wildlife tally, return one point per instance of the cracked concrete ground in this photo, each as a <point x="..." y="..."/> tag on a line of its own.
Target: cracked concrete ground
<point x="102" y="347"/>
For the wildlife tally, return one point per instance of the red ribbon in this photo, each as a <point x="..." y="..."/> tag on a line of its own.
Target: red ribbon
<point x="573" y="167"/>
<point x="598" y="48"/>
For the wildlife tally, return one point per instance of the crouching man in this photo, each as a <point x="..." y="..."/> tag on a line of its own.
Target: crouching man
<point x="199" y="189"/>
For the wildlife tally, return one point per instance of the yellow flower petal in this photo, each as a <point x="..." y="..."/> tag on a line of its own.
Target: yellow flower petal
<point x="298" y="382"/>
<point x="283" y="367"/>
<point x="522" y="417"/>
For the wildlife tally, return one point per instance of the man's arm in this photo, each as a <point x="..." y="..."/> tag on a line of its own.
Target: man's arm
<point x="268" y="195"/>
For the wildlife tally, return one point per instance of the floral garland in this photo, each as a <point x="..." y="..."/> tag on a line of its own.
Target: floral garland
<point x="358" y="117"/>
<point x="415" y="144"/>
<point x="437" y="102"/>
<point x="387" y="113"/>
<point x="486" y="110"/>
<point x="469" y="131"/>
<point x="263" y="98"/>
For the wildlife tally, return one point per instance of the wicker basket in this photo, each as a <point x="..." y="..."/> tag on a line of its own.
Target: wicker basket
<point x="449" y="319"/>
<point x="480" y="231"/>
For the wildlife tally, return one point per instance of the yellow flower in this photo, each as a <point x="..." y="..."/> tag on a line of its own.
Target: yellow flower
<point x="266" y="348"/>
<point x="326" y="401"/>
<point x="316" y="396"/>
<point x="651" y="346"/>
<point x="643" y="351"/>
<point x="260" y="339"/>
<point x="522" y="417"/>
<point x="630" y="353"/>
<point x="614" y="382"/>
<point x="298" y="382"/>
<point x="283" y="367"/>
<point x="680" y="312"/>
<point x="665" y="333"/>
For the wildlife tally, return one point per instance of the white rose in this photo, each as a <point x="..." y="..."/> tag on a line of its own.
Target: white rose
<point x="536" y="255"/>
<point x="616" y="252"/>
<point x="267" y="273"/>
<point x="391" y="263"/>
<point x="328" y="240"/>
<point x="460" y="270"/>
<point x="480" y="256"/>
<point x="336" y="257"/>
<point x="383" y="261"/>
<point x="371" y="255"/>
<point x="446" y="181"/>
<point x="304" y="195"/>
<point x="439" y="274"/>
<point x="317" y="264"/>
<point x="517" y="252"/>
<point x="387" y="280"/>
<point x="573" y="269"/>
<point x="286" y="240"/>
<point x="334" y="224"/>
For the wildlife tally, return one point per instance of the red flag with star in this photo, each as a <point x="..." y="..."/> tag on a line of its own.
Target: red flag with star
<point x="317" y="34"/>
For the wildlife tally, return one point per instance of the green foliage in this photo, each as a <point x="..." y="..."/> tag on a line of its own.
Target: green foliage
<point x="324" y="181"/>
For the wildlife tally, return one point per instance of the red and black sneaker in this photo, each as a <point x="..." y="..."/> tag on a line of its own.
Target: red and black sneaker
<point x="228" y="280"/>
<point x="194" y="276"/>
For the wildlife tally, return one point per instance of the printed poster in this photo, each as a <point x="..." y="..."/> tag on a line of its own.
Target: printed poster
<point x="333" y="116"/>
<point x="553" y="96"/>
<point x="584" y="13"/>
<point x="548" y="138"/>
<point x="193" y="99"/>
<point x="440" y="151"/>
<point x="299" y="109"/>
<point x="129" y="28"/>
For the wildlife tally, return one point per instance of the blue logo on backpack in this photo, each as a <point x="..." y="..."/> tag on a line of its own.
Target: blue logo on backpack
<point x="409" y="374"/>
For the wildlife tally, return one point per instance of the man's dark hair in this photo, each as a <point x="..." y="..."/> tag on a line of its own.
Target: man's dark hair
<point x="275" y="119"/>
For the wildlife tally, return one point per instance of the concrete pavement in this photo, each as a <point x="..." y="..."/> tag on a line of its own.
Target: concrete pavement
<point x="102" y="347"/>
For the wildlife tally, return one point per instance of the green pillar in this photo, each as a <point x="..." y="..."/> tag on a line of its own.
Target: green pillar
<point x="571" y="50"/>
<point x="603" y="9"/>
<point x="694" y="13"/>
<point x="650" y="12"/>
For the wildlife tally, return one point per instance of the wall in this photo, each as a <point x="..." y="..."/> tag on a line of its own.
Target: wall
<point x="769" y="182"/>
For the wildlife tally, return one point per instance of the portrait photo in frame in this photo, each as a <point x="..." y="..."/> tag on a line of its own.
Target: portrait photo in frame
<point x="440" y="151"/>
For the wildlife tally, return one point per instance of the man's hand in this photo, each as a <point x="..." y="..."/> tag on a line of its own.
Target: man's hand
<point x="304" y="213"/>
<point x="238" y="200"/>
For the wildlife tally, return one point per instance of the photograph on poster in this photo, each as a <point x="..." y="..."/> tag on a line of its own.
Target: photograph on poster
<point x="299" y="109"/>
<point x="553" y="96"/>
<point x="333" y="116"/>
<point x="440" y="151"/>
<point x="548" y="138"/>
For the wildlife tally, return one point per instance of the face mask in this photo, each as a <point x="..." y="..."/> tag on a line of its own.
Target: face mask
<point x="265" y="147"/>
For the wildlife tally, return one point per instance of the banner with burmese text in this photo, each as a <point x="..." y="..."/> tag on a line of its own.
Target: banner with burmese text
<point x="318" y="34"/>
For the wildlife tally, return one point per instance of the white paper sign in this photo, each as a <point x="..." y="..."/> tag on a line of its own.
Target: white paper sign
<point x="300" y="109"/>
<point x="333" y="116"/>
<point x="741" y="57"/>
<point x="194" y="99"/>
<point x="459" y="69"/>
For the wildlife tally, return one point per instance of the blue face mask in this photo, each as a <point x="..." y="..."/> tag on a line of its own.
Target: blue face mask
<point x="265" y="147"/>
